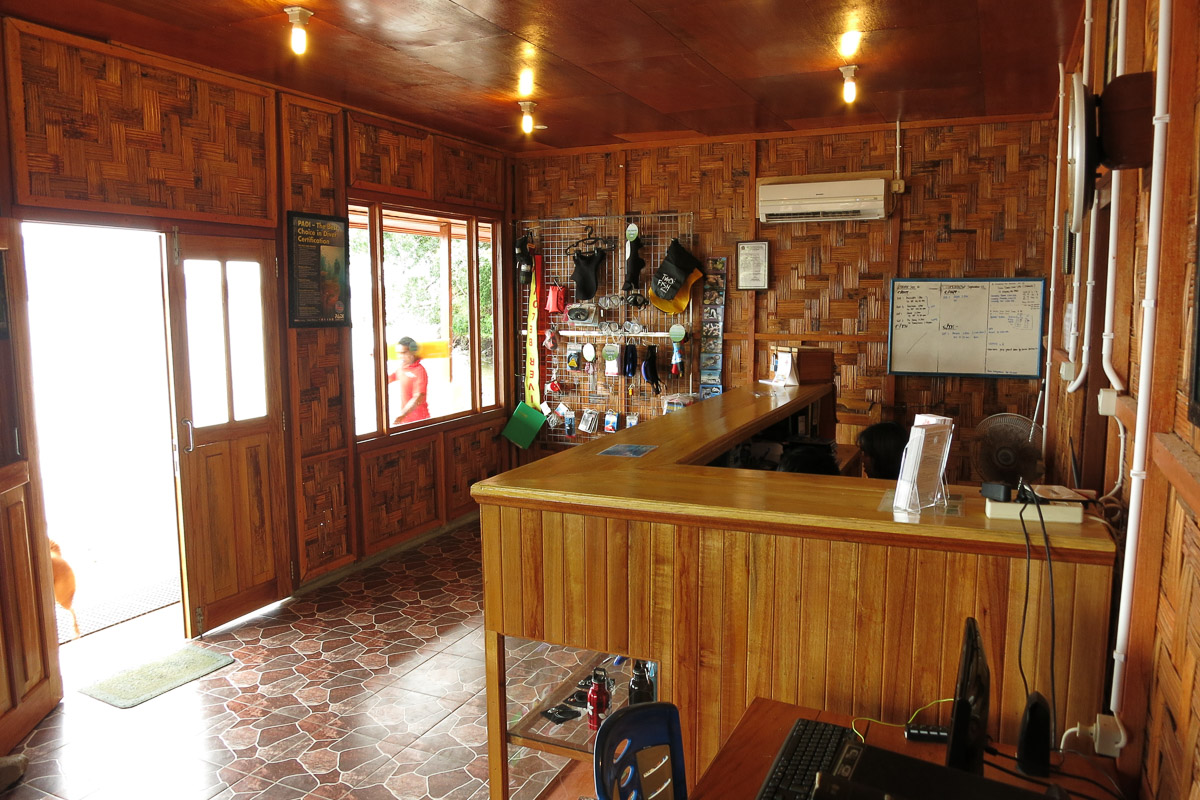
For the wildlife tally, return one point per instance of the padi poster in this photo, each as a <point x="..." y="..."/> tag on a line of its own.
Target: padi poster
<point x="318" y="270"/>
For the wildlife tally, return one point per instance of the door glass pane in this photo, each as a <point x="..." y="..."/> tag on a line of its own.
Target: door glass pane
<point x="362" y="327"/>
<point x="487" y="319"/>
<point x="246" y="350"/>
<point x="206" y="341"/>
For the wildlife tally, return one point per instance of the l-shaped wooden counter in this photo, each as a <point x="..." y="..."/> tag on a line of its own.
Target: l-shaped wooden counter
<point x="800" y="588"/>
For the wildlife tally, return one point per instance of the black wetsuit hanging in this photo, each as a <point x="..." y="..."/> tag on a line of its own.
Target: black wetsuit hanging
<point x="586" y="274"/>
<point x="633" y="265"/>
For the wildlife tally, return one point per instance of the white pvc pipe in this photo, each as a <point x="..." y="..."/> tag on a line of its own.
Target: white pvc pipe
<point x="1114" y="224"/>
<point x="1141" y="437"/>
<point x="1052" y="265"/>
<point x="1073" y="338"/>
<point x="1089" y="301"/>
<point x="1120" y="461"/>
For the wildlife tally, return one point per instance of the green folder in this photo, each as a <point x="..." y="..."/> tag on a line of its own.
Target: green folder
<point x="525" y="423"/>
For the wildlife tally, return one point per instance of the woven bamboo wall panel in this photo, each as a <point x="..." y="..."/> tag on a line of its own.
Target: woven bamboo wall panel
<point x="390" y="157"/>
<point x="400" y="492"/>
<point x="468" y="175"/>
<point x="311" y="148"/>
<point x="325" y="539"/>
<point x="713" y="181"/>
<point x="1172" y="763"/>
<point x="320" y="389"/>
<point x="471" y="455"/>
<point x="563" y="187"/>
<point x="731" y="615"/>
<point x="94" y="129"/>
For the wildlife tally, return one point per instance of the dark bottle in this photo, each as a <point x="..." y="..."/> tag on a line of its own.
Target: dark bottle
<point x="641" y="688"/>
<point x="598" y="698"/>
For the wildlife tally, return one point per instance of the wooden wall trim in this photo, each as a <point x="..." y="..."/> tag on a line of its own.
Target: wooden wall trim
<point x="765" y="136"/>
<point x="13" y="475"/>
<point x="1180" y="465"/>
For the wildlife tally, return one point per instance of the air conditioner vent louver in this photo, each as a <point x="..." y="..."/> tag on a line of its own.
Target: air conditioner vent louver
<point x="816" y="201"/>
<point x="813" y="215"/>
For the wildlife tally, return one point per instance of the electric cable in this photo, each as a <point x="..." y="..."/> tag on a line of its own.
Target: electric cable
<point x="1053" y="629"/>
<point x="862" y="738"/>
<point x="1025" y="605"/>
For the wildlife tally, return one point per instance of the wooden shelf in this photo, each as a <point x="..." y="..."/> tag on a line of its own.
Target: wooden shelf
<point x="571" y="738"/>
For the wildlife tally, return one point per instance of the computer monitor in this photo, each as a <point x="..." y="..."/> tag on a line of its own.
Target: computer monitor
<point x="969" y="715"/>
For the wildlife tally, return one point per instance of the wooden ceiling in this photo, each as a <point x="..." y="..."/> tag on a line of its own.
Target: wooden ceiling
<point x="614" y="71"/>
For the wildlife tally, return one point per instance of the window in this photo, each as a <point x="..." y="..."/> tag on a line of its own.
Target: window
<point x="430" y="283"/>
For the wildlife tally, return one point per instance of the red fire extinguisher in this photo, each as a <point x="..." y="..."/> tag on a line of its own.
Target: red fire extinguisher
<point x="598" y="697"/>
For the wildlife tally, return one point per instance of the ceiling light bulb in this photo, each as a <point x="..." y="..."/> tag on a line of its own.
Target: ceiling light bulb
<point x="527" y="107"/>
<point x="299" y="19"/>
<point x="848" y="44"/>
<point x="849" y="88"/>
<point x="525" y="84"/>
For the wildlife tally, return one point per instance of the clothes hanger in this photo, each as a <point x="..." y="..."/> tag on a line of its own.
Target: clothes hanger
<point x="590" y="242"/>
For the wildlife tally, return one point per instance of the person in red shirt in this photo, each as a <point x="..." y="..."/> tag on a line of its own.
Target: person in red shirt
<point x="414" y="382"/>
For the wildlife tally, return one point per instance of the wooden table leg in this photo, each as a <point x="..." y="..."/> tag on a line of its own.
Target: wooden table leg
<point x="497" y="715"/>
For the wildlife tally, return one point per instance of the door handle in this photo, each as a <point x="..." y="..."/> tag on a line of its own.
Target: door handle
<point x="191" y="435"/>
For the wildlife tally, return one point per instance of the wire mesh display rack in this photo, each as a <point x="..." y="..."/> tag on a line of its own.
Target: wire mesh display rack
<point x="587" y="387"/>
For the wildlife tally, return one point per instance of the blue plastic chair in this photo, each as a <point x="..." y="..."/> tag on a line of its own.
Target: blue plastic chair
<point x="639" y="754"/>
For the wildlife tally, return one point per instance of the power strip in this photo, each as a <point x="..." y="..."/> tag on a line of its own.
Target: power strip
<point x="1051" y="512"/>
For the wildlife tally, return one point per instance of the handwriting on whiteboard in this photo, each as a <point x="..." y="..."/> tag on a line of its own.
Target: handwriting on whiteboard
<point x="965" y="327"/>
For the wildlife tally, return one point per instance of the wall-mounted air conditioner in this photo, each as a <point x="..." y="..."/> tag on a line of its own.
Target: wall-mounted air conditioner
<point x="820" y="201"/>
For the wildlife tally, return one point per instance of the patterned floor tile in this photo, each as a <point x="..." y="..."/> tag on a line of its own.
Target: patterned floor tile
<point x="367" y="688"/>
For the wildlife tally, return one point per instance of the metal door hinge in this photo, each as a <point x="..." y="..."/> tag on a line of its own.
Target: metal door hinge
<point x="175" y="244"/>
<point x="295" y="572"/>
<point x="199" y="621"/>
<point x="276" y="266"/>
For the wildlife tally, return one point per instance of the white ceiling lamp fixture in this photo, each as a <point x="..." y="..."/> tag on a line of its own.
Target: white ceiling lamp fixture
<point x="849" y="88"/>
<point x="527" y="107"/>
<point x="299" y="19"/>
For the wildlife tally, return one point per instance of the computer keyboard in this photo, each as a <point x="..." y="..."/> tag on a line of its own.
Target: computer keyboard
<point x="811" y="747"/>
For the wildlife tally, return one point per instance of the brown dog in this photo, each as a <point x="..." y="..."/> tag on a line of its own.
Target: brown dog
<point x="64" y="583"/>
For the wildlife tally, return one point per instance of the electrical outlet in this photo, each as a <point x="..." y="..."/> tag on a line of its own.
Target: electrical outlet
<point x="897" y="186"/>
<point x="1066" y="371"/>
<point x="1108" y="735"/>
<point x="1108" y="401"/>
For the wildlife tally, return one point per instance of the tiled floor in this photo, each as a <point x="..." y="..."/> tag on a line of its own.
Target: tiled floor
<point x="368" y="688"/>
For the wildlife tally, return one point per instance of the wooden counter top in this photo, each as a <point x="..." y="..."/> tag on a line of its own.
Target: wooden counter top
<point x="671" y="484"/>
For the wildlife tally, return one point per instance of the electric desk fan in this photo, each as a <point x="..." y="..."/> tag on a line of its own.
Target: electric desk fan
<point x="1008" y="449"/>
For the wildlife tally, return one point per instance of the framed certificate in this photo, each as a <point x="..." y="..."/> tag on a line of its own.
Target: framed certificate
<point x="752" y="265"/>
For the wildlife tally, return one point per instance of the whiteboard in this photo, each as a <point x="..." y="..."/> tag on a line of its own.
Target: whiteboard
<point x="987" y="327"/>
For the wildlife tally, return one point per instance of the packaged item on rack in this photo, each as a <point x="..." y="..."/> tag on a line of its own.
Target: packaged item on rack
<point x="590" y="421"/>
<point x="631" y="420"/>
<point x="552" y="419"/>
<point x="612" y="359"/>
<point x="556" y="298"/>
<point x="674" y="402"/>
<point x="569" y="422"/>
<point x="610" y="421"/>
<point x="583" y="313"/>
<point x="575" y="356"/>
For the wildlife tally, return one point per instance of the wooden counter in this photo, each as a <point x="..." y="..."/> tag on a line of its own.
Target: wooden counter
<point x="745" y="583"/>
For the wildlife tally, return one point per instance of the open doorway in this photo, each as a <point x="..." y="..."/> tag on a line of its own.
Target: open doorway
<point x="102" y="409"/>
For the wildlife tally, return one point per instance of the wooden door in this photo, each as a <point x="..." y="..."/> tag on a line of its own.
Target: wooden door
<point x="30" y="684"/>
<point x="229" y="422"/>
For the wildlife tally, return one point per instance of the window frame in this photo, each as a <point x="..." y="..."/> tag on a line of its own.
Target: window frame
<point x="376" y="211"/>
